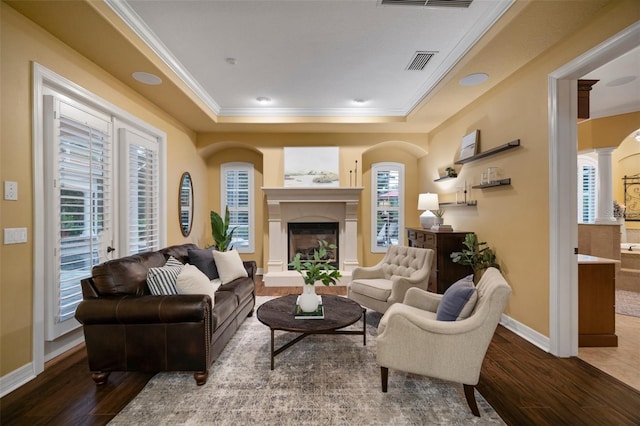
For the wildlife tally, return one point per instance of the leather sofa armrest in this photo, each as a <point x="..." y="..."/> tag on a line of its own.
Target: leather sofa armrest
<point x="144" y="309"/>
<point x="251" y="267"/>
<point x="89" y="290"/>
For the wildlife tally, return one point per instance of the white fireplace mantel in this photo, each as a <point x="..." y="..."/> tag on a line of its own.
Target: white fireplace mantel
<point x="310" y="205"/>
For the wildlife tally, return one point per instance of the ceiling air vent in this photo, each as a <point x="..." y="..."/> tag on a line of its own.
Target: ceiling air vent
<point x="429" y="3"/>
<point x="419" y="61"/>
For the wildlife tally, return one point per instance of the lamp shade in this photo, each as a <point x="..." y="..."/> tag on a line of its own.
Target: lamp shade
<point x="428" y="201"/>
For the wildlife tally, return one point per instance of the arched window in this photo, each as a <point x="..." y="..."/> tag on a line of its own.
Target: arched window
<point x="387" y="197"/>
<point x="236" y="193"/>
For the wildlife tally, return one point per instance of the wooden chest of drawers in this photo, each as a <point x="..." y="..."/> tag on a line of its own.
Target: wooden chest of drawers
<point x="444" y="272"/>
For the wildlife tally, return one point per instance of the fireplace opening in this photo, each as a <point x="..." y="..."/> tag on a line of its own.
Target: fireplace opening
<point x="305" y="237"/>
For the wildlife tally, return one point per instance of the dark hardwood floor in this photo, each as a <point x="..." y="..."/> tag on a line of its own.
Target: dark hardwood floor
<point x="524" y="384"/>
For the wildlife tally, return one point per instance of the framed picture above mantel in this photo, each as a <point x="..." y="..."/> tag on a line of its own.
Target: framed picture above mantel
<point x="312" y="167"/>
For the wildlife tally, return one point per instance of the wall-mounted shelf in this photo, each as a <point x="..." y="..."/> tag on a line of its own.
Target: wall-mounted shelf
<point x="506" y="146"/>
<point x="444" y="178"/>
<point x="472" y="203"/>
<point x="501" y="182"/>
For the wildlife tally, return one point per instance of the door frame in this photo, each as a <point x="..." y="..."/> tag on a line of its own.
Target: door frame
<point x="563" y="222"/>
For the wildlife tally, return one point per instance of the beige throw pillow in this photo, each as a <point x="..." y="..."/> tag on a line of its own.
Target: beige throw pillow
<point x="192" y="280"/>
<point x="230" y="266"/>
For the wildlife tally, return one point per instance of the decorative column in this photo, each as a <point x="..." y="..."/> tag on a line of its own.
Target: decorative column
<point x="604" y="212"/>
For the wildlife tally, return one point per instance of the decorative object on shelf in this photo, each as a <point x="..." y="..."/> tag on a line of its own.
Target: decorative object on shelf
<point x="461" y="193"/>
<point x="451" y="172"/>
<point x="220" y="231"/>
<point x="469" y="145"/>
<point x="500" y="182"/>
<point x="476" y="256"/>
<point x="429" y="202"/>
<point x="492" y="174"/>
<point x="318" y="268"/>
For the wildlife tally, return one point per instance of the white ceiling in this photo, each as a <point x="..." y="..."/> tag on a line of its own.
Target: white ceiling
<point x="310" y="57"/>
<point x="618" y="88"/>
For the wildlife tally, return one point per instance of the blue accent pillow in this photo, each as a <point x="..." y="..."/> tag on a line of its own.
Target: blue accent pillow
<point x="458" y="300"/>
<point x="203" y="260"/>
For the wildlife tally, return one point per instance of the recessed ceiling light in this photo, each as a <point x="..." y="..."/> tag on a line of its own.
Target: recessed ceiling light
<point x="263" y="100"/>
<point x="147" y="78"/>
<point x="231" y="61"/>
<point x="474" y="79"/>
<point x="621" y="81"/>
<point x="359" y="101"/>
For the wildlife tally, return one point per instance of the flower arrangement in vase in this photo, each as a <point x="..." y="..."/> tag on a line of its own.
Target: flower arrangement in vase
<point x="318" y="268"/>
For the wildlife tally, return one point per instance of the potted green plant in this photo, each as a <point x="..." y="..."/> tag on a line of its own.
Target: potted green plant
<point x="318" y="268"/>
<point x="475" y="255"/>
<point x="220" y="231"/>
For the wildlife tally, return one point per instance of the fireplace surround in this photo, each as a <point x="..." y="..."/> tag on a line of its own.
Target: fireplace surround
<point x="310" y="205"/>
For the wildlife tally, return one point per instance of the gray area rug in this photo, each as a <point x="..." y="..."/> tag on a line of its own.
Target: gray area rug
<point x="628" y="303"/>
<point x="321" y="380"/>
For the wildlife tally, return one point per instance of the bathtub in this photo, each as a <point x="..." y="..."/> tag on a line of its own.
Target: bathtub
<point x="630" y="247"/>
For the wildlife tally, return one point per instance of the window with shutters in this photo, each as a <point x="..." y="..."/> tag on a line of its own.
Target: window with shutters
<point x="587" y="191"/>
<point x="139" y="157"/>
<point x="104" y="187"/>
<point x="387" y="221"/>
<point x="237" y="194"/>
<point x="78" y="143"/>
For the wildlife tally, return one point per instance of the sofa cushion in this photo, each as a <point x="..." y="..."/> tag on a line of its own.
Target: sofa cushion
<point x="242" y="288"/>
<point x="162" y="281"/>
<point x="192" y="280"/>
<point x="203" y="260"/>
<point x="226" y="302"/>
<point x="230" y="266"/>
<point x="172" y="261"/>
<point x="458" y="301"/>
<point x="376" y="288"/>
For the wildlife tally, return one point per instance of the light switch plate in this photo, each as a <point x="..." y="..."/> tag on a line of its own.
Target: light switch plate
<point x="10" y="190"/>
<point x="15" y="235"/>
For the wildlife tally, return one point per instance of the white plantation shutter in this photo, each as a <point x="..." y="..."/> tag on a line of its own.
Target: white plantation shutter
<point x="387" y="222"/>
<point x="140" y="231"/>
<point x="237" y="195"/>
<point x="80" y="148"/>
<point x="587" y="193"/>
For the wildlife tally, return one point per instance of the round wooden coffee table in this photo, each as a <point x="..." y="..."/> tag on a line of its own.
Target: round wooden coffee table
<point x="339" y="312"/>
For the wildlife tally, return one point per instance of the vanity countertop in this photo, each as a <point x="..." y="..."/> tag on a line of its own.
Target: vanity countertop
<point x="587" y="259"/>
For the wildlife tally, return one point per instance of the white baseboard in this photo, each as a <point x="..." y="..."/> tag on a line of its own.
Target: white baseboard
<point x="527" y="333"/>
<point x="16" y="378"/>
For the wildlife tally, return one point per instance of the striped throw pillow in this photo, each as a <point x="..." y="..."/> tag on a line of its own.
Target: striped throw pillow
<point x="162" y="281"/>
<point x="172" y="261"/>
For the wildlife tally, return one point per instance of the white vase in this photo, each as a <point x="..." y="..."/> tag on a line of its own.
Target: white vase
<point x="308" y="299"/>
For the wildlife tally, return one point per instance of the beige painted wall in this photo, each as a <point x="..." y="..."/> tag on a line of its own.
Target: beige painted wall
<point x="22" y="43"/>
<point x="364" y="148"/>
<point x="514" y="220"/>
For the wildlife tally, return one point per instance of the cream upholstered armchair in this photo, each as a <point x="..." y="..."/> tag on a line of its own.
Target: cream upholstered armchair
<point x="378" y="287"/>
<point x="411" y="339"/>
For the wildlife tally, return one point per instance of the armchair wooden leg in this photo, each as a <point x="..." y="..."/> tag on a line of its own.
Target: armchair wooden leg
<point x="384" y="376"/>
<point x="100" y="377"/>
<point x="471" y="399"/>
<point x="201" y="377"/>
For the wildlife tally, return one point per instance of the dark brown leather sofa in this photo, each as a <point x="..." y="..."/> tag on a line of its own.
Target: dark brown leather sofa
<point x="128" y="329"/>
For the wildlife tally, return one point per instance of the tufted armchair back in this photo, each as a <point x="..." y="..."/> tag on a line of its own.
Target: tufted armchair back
<point x="380" y="286"/>
<point x="403" y="261"/>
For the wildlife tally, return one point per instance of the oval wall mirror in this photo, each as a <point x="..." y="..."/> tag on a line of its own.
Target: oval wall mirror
<point x="185" y="204"/>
